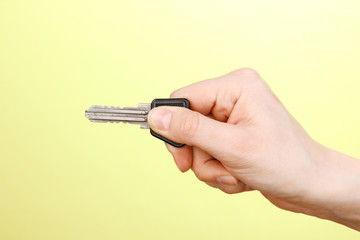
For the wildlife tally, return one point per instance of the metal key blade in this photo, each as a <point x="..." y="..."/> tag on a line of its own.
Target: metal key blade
<point x="131" y="115"/>
<point x="135" y="115"/>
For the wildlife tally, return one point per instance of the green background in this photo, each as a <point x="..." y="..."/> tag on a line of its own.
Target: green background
<point x="63" y="177"/>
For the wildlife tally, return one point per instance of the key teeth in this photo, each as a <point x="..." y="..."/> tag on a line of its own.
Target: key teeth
<point x="105" y="106"/>
<point x="141" y="106"/>
<point x="106" y="121"/>
<point x="143" y="125"/>
<point x="113" y="108"/>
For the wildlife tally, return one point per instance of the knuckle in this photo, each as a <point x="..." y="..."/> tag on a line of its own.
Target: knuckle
<point x="201" y="176"/>
<point x="229" y="190"/>
<point x="248" y="72"/>
<point x="249" y="78"/>
<point x="190" y="125"/>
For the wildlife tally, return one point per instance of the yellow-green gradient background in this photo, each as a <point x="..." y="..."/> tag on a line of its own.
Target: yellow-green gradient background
<point x="63" y="177"/>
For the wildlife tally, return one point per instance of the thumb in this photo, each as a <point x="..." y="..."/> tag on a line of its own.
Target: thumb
<point x="192" y="128"/>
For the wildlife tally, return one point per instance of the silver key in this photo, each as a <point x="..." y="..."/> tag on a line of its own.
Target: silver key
<point x="134" y="115"/>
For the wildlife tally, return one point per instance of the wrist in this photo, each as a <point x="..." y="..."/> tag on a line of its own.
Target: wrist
<point x="336" y="188"/>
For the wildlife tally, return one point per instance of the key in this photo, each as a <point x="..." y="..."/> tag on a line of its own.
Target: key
<point x="135" y="115"/>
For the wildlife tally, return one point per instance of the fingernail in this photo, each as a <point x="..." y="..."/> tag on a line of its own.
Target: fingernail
<point x="159" y="118"/>
<point x="228" y="180"/>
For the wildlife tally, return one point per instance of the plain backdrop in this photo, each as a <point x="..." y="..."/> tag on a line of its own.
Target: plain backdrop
<point x="63" y="177"/>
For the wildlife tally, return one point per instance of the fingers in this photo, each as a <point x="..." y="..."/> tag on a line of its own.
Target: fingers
<point x="206" y="169"/>
<point x="217" y="96"/>
<point x="182" y="156"/>
<point x="211" y="97"/>
<point x="230" y="189"/>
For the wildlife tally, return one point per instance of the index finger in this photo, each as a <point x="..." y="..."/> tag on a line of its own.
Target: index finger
<point x="214" y="96"/>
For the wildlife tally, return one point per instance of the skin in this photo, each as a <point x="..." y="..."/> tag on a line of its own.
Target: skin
<point x="239" y="137"/>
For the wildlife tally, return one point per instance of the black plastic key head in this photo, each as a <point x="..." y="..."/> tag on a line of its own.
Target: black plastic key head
<point x="175" y="102"/>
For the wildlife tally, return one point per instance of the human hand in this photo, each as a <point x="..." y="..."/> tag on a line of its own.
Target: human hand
<point x="240" y="137"/>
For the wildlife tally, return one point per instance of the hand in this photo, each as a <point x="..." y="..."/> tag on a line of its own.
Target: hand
<point x="240" y="137"/>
